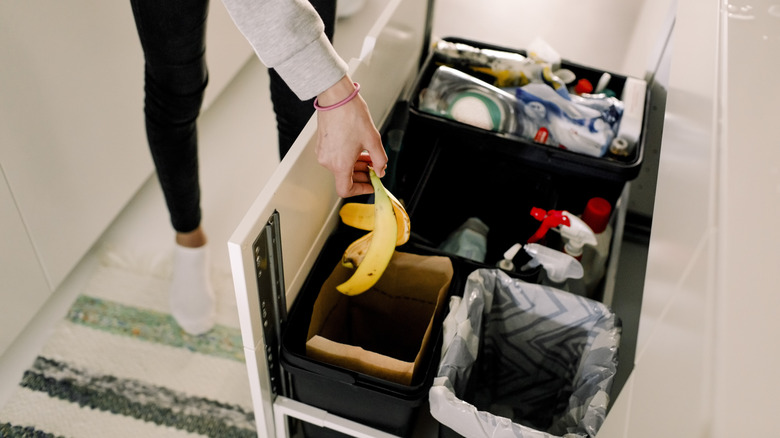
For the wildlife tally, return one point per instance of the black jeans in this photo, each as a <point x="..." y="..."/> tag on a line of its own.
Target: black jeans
<point x="172" y="34"/>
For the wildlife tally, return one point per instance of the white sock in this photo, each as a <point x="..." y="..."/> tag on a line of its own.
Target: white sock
<point x="192" y="300"/>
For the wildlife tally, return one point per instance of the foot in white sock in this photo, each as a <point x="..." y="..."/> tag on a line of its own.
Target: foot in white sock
<point x="192" y="300"/>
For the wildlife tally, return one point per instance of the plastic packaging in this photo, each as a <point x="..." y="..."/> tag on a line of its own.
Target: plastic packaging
<point x="541" y="51"/>
<point x="610" y="108"/>
<point x="543" y="361"/>
<point x="594" y="258"/>
<point x="508" y="68"/>
<point x="468" y="241"/>
<point x="546" y="112"/>
<point x="466" y="99"/>
<point x="570" y="125"/>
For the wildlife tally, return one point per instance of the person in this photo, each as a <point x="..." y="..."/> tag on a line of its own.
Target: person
<point x="289" y="37"/>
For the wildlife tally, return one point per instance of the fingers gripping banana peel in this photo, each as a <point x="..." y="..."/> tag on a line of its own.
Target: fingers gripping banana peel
<point x="381" y="242"/>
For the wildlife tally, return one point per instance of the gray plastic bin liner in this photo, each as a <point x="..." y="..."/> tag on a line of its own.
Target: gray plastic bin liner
<point x="546" y="361"/>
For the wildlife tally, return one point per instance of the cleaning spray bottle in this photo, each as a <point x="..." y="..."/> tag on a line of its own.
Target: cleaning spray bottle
<point x="576" y="235"/>
<point x="550" y="220"/>
<point x="561" y="271"/>
<point x="594" y="258"/>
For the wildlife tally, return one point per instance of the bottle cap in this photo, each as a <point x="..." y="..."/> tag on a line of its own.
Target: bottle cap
<point x="619" y="146"/>
<point x="583" y="87"/>
<point x="577" y="235"/>
<point x="509" y="255"/>
<point x="565" y="75"/>
<point x="596" y="214"/>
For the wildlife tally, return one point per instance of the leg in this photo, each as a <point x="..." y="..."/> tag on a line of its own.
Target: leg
<point x="172" y="35"/>
<point x="291" y="113"/>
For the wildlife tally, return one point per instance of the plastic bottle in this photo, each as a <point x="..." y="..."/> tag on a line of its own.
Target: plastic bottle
<point x="594" y="258"/>
<point x="468" y="241"/>
<point x="576" y="235"/>
<point x="561" y="271"/>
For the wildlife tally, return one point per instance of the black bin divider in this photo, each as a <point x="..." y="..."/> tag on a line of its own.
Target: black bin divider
<point x="465" y="180"/>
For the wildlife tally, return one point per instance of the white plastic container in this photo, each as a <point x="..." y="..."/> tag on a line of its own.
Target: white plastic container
<point x="594" y="258"/>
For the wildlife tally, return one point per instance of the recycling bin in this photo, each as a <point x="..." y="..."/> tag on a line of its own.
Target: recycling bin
<point x="524" y="360"/>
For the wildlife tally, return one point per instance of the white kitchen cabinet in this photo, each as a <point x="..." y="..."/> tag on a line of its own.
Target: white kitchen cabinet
<point x="23" y="287"/>
<point x="302" y="192"/>
<point x="72" y="139"/>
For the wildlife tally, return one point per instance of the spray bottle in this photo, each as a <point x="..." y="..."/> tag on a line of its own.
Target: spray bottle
<point x="560" y="270"/>
<point x="576" y="235"/>
<point x="594" y="259"/>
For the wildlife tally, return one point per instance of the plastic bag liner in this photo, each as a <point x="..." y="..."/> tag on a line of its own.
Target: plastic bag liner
<point x="524" y="360"/>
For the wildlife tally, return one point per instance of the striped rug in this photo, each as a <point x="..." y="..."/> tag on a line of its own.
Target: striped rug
<point x="119" y="366"/>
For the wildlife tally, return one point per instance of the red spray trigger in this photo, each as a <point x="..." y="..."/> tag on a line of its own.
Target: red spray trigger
<point x="549" y="219"/>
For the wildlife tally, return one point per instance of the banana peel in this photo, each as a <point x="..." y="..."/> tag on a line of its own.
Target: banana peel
<point x="361" y="216"/>
<point x="388" y="225"/>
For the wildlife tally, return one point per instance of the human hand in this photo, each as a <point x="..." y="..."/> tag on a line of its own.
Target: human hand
<point x="348" y="141"/>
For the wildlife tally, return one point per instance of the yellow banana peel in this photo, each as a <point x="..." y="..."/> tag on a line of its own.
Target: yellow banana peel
<point x="356" y="251"/>
<point x="358" y="215"/>
<point x="361" y="216"/>
<point x="389" y="226"/>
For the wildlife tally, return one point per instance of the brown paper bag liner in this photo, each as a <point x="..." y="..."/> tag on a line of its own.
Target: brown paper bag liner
<point x="386" y="331"/>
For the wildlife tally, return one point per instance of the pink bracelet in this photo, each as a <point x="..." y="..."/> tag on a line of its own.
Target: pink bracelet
<point x="336" y="105"/>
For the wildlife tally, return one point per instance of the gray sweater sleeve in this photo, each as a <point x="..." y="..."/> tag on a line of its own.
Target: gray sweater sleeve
<point x="289" y="36"/>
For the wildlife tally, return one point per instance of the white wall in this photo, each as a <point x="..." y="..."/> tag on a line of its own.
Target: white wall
<point x="594" y="33"/>
<point x="747" y="351"/>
